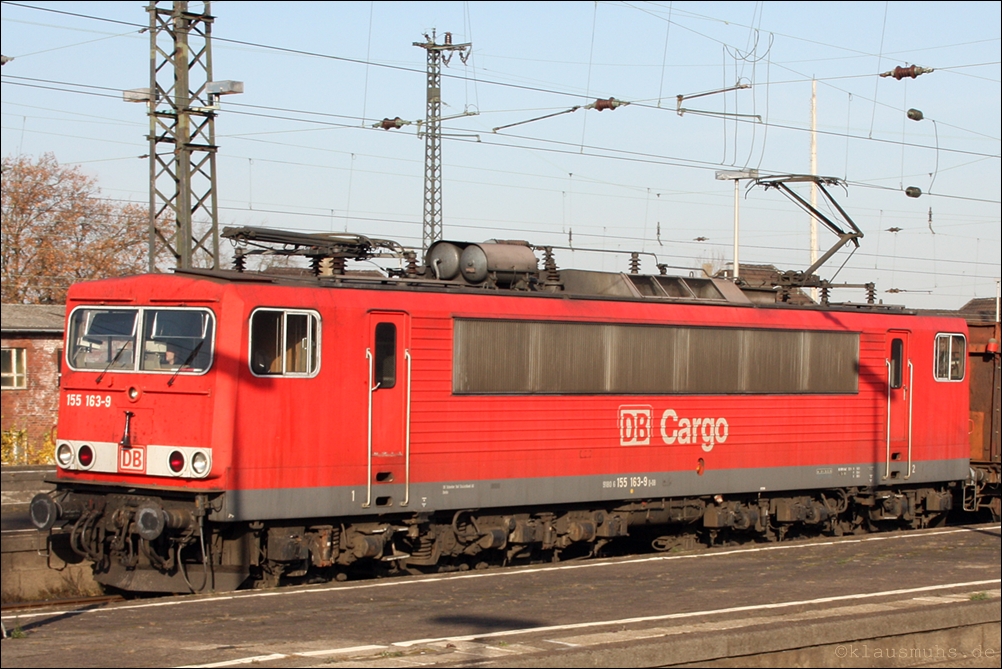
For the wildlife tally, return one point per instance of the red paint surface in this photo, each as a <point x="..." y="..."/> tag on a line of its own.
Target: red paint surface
<point x="308" y="432"/>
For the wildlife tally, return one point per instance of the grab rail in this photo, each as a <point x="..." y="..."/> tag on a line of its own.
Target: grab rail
<point x="407" y="434"/>
<point x="887" y="468"/>
<point x="372" y="389"/>
<point x="911" y="395"/>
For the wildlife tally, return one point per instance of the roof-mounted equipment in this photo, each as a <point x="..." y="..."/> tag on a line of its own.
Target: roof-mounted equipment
<point x="785" y="281"/>
<point x="318" y="247"/>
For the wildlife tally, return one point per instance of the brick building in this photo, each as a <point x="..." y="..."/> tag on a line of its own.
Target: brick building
<point x="31" y="338"/>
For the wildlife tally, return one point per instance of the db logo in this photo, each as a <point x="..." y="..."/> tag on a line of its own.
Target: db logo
<point x="132" y="459"/>
<point x="635" y="425"/>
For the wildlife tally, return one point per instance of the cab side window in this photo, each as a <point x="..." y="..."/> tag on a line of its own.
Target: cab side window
<point x="951" y="357"/>
<point x="284" y="342"/>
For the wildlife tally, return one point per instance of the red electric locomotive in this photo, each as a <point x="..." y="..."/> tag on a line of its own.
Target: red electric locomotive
<point x="223" y="427"/>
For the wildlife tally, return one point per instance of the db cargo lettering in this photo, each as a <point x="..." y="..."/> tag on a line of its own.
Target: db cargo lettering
<point x="635" y="425"/>
<point x="705" y="431"/>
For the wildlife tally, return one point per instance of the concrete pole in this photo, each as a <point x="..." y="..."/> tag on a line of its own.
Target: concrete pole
<point x="736" y="176"/>
<point x="998" y="300"/>
<point x="814" y="172"/>
<point x="737" y="220"/>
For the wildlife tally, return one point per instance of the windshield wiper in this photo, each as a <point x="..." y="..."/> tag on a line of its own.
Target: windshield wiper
<point x="111" y="364"/>
<point x="187" y="361"/>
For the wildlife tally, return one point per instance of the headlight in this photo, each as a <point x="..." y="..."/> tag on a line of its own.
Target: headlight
<point x="200" y="463"/>
<point x="64" y="455"/>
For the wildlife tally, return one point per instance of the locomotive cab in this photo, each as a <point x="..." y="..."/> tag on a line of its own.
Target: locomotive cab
<point x="140" y="456"/>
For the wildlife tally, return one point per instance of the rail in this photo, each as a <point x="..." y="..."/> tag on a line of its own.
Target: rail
<point x="61" y="603"/>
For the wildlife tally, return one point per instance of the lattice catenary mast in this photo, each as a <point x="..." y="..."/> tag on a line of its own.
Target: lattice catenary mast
<point x="437" y="54"/>
<point x="183" y="100"/>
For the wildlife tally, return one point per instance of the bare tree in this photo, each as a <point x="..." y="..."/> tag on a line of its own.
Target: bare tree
<point x="711" y="262"/>
<point x="57" y="230"/>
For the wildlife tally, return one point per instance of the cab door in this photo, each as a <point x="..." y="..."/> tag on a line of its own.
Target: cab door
<point x="900" y="377"/>
<point x="388" y="355"/>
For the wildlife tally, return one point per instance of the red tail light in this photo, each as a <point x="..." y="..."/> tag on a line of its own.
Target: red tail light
<point x="85" y="456"/>
<point x="176" y="461"/>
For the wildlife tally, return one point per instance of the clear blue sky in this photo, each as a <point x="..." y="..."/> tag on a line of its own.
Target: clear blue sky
<point x="297" y="152"/>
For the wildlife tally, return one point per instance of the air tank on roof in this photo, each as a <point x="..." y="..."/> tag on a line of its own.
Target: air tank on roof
<point x="443" y="259"/>
<point x="508" y="261"/>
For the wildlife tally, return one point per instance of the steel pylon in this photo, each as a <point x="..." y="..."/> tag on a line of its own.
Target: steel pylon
<point x="437" y="54"/>
<point x="182" y="158"/>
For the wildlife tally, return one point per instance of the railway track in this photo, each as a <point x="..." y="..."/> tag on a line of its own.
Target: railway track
<point x="72" y="602"/>
<point x="686" y="544"/>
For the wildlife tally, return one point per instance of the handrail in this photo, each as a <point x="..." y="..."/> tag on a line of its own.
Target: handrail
<point x="887" y="468"/>
<point x="407" y="434"/>
<point x="911" y="395"/>
<point x="368" y="481"/>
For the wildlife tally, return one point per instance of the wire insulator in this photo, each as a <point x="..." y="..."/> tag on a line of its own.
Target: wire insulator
<point x="239" y="262"/>
<point x="411" y="263"/>
<point x="391" y="123"/>
<point x="913" y="71"/>
<point x="634" y="263"/>
<point x="871" y="293"/>
<point x="611" y="103"/>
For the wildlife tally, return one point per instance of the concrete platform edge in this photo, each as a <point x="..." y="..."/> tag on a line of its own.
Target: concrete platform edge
<point x="742" y="645"/>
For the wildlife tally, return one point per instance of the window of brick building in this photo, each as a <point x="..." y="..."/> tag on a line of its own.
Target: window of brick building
<point x="12" y="369"/>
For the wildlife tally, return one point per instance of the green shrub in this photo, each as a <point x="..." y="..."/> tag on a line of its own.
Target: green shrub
<point x="16" y="448"/>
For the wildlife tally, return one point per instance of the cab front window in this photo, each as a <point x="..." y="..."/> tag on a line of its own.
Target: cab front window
<point x="176" y="339"/>
<point x="143" y="339"/>
<point x="103" y="339"/>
